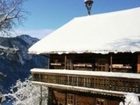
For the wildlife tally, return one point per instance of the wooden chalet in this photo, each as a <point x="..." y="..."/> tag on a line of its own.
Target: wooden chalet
<point x="93" y="60"/>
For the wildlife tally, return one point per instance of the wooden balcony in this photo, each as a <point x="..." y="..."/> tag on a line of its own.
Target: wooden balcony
<point x="91" y="81"/>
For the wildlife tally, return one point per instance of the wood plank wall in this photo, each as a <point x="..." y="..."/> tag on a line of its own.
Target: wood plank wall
<point x="63" y="97"/>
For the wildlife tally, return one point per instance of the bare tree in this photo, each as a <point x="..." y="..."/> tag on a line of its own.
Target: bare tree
<point x="10" y="14"/>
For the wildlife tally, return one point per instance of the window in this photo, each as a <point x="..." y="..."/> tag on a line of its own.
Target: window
<point x="70" y="99"/>
<point x="100" y="101"/>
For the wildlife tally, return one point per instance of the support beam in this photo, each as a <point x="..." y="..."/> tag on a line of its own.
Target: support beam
<point x="138" y="63"/>
<point x="65" y="61"/>
<point x="110" y="62"/>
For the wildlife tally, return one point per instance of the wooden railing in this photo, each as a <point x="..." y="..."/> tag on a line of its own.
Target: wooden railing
<point x="97" y="82"/>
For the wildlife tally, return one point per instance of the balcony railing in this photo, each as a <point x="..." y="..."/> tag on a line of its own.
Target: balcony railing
<point x="124" y="82"/>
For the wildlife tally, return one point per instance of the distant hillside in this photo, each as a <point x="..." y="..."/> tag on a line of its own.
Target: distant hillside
<point x="15" y="62"/>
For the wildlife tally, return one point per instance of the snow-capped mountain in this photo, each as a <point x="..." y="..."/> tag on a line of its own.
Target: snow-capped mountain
<point x="15" y="62"/>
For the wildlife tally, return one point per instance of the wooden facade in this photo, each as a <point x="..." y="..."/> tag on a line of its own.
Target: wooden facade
<point x="62" y="97"/>
<point x="78" y="89"/>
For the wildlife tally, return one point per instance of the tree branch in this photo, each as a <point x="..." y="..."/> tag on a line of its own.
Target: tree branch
<point x="10" y="13"/>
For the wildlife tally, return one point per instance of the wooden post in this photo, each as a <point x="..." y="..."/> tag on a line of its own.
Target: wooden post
<point x="84" y="82"/>
<point x="138" y="63"/>
<point x="77" y="81"/>
<point x="65" y="98"/>
<point x="110" y="62"/>
<point x="48" y="62"/>
<point x="40" y="101"/>
<point x="50" y="96"/>
<point x="65" y="62"/>
<point x="68" y="83"/>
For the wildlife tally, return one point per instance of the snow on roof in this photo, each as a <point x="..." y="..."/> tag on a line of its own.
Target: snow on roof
<point x="102" y="33"/>
<point x="87" y="73"/>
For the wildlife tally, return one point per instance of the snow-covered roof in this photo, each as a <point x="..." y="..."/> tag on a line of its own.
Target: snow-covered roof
<point x="87" y="73"/>
<point x="101" y="33"/>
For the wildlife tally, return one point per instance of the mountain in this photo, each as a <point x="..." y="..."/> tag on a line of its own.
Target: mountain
<point x="15" y="62"/>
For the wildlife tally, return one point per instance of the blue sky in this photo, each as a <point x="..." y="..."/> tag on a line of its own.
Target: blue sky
<point x="45" y="16"/>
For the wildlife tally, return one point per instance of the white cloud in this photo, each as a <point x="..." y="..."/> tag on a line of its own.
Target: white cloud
<point x="34" y="33"/>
